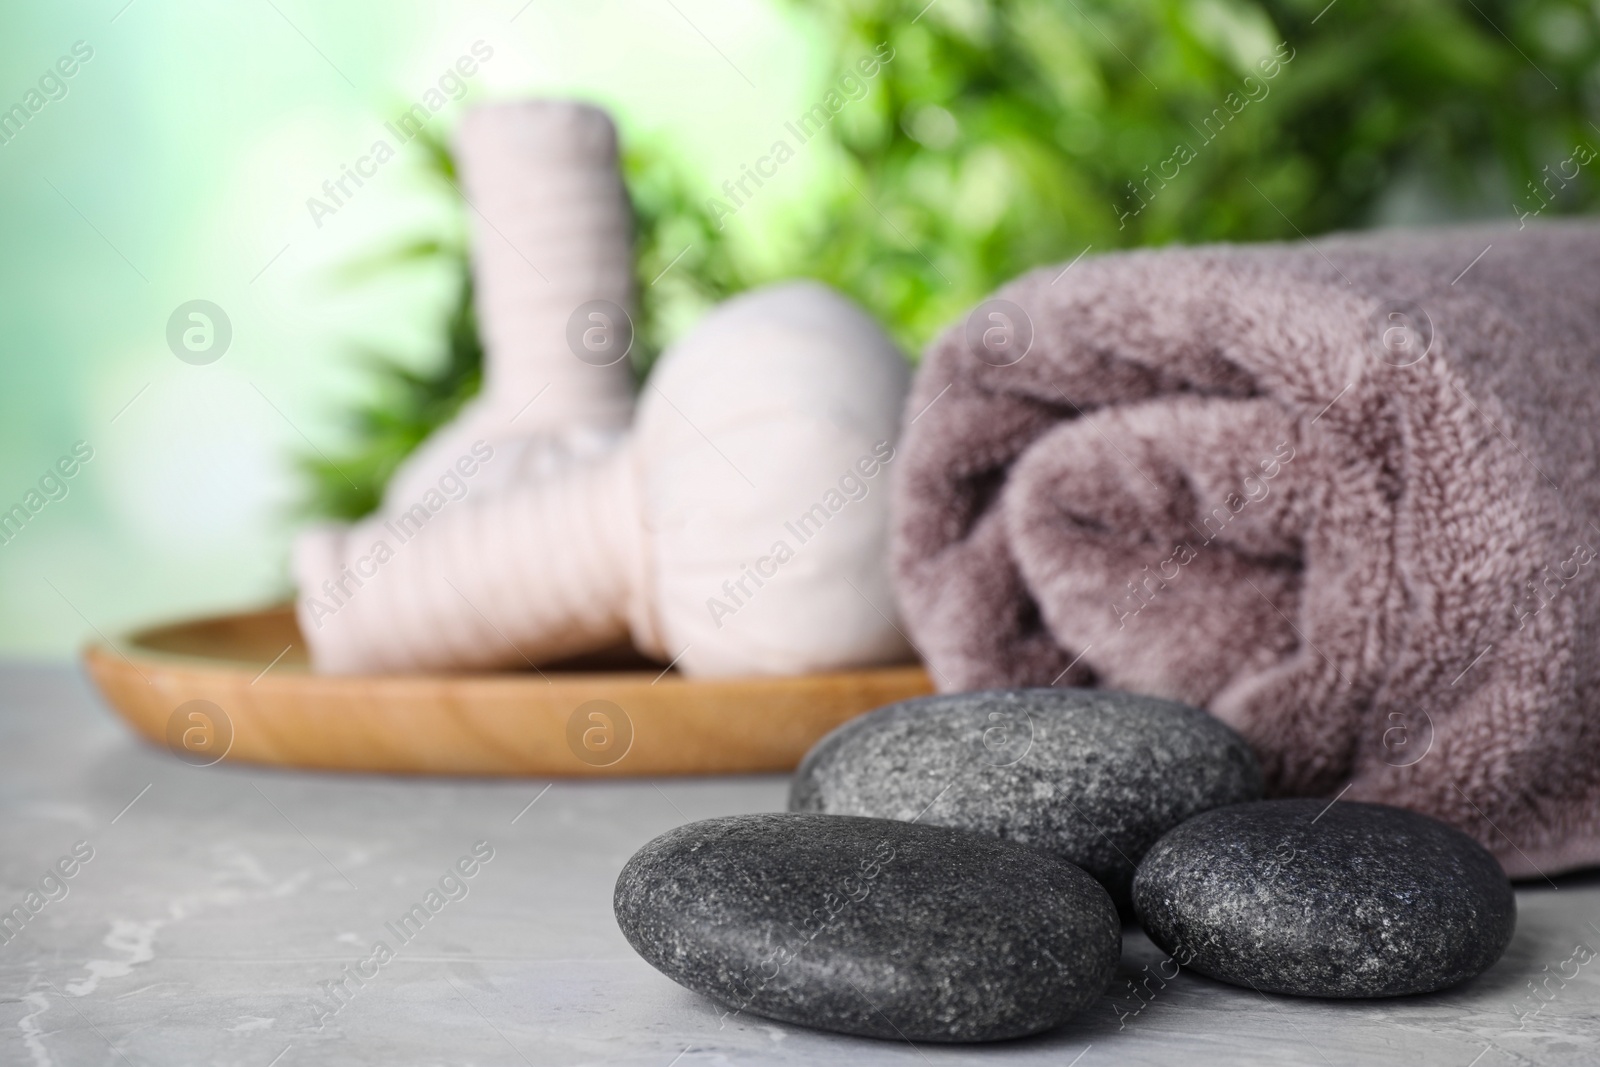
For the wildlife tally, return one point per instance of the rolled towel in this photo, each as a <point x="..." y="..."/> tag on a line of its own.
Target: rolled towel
<point x="1341" y="493"/>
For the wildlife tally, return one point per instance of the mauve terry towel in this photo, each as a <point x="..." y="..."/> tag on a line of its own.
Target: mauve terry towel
<point x="1342" y="495"/>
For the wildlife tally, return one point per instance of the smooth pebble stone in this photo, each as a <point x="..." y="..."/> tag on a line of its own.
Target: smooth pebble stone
<point x="1341" y="900"/>
<point x="1091" y="775"/>
<point x="872" y="927"/>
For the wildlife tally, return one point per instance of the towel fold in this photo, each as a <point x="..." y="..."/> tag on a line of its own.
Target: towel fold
<point x="1342" y="494"/>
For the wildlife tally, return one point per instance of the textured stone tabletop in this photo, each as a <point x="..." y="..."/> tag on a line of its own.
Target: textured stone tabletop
<point x="217" y="905"/>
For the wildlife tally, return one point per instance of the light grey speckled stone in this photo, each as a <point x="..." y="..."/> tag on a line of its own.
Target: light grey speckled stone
<point x="1091" y="775"/>
<point x="1341" y="900"/>
<point x="871" y="927"/>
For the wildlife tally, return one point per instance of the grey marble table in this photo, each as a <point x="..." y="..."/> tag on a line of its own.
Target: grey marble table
<point x="219" y="907"/>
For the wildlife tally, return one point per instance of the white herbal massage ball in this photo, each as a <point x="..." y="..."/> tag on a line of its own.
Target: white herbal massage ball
<point x="741" y="527"/>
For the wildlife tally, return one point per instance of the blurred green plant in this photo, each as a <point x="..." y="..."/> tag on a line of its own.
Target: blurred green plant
<point x="1006" y="134"/>
<point x="1011" y="133"/>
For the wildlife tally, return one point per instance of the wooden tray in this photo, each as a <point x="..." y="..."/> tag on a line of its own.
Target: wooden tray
<point x="237" y="688"/>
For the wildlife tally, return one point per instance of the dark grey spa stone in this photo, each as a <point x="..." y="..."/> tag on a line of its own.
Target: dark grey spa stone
<point x="1094" y="776"/>
<point x="872" y="927"/>
<point x="1347" y="900"/>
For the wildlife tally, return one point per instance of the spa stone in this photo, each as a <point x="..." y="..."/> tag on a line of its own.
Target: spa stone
<point x="1341" y="900"/>
<point x="871" y="927"/>
<point x="1091" y="775"/>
